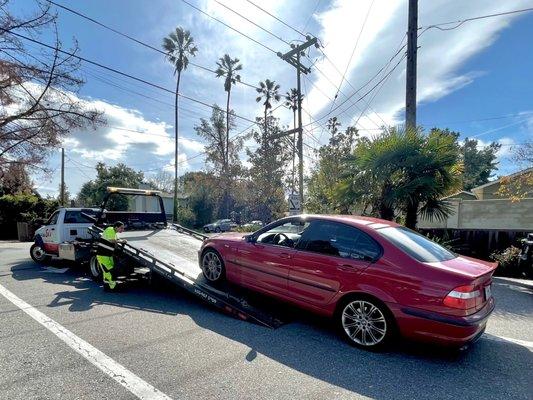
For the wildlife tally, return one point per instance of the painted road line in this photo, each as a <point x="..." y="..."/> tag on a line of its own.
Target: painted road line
<point x="126" y="378"/>
<point x="525" y="343"/>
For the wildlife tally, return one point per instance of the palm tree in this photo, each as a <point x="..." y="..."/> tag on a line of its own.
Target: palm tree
<point x="408" y="171"/>
<point x="269" y="91"/>
<point x="228" y="67"/>
<point x="179" y="46"/>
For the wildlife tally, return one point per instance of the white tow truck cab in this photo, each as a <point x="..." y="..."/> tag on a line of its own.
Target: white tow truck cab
<point x="65" y="235"/>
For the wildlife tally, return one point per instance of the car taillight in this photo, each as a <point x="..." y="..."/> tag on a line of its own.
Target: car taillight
<point x="463" y="297"/>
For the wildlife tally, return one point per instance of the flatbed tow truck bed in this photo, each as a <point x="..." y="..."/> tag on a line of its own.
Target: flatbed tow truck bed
<point x="173" y="254"/>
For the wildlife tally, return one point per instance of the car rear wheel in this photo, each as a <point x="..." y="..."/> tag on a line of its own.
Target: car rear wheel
<point x="94" y="269"/>
<point x="213" y="266"/>
<point x="366" y="323"/>
<point x="38" y="254"/>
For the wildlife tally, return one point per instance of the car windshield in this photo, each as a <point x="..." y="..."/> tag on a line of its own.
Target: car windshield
<point x="416" y="245"/>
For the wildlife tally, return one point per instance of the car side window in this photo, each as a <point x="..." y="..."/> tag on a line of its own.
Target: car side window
<point x="287" y="234"/>
<point x="53" y="219"/>
<point x="76" y="217"/>
<point x="340" y="240"/>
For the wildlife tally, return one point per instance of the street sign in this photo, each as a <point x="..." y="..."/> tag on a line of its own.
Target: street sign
<point x="295" y="206"/>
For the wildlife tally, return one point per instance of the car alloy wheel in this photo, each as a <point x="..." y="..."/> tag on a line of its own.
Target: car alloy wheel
<point x="364" y="323"/>
<point x="212" y="266"/>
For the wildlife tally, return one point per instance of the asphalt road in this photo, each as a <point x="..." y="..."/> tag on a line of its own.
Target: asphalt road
<point x="184" y="349"/>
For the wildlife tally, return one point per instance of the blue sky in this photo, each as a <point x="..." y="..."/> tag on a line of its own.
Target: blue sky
<point x="478" y="71"/>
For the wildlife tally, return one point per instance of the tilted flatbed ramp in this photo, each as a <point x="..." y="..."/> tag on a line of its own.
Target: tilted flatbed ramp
<point x="173" y="254"/>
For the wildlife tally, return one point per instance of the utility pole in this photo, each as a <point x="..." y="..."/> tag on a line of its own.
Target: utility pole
<point x="62" y="190"/>
<point x="410" y="81"/>
<point x="293" y="58"/>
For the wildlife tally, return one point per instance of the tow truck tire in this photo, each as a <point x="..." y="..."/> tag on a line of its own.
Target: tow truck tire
<point x="213" y="266"/>
<point x="38" y="255"/>
<point x="94" y="269"/>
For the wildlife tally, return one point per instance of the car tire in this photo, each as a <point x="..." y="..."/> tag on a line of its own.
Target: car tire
<point x="94" y="270"/>
<point x="212" y="266"/>
<point x="38" y="254"/>
<point x="206" y="230"/>
<point x="365" y="322"/>
<point x="217" y="229"/>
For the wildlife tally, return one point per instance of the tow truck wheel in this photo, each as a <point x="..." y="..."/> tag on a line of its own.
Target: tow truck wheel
<point x="213" y="266"/>
<point x="95" y="270"/>
<point x="38" y="254"/>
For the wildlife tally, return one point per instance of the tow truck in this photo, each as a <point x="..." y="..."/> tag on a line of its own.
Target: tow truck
<point x="153" y="248"/>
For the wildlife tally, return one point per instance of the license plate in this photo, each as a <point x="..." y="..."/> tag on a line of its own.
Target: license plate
<point x="488" y="292"/>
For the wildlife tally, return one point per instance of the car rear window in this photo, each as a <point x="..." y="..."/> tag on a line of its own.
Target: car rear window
<point x="416" y="245"/>
<point x="77" y="217"/>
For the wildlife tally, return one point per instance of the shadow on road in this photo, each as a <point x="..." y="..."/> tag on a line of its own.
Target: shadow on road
<point x="310" y="345"/>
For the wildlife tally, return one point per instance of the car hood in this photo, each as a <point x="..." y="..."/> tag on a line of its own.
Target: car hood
<point x="233" y="236"/>
<point x="466" y="266"/>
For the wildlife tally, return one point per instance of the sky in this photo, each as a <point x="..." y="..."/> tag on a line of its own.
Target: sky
<point x="475" y="79"/>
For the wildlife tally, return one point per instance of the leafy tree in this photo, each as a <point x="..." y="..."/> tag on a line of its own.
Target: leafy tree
<point x="268" y="162"/>
<point x="228" y="68"/>
<point x="269" y="91"/>
<point x="92" y="193"/>
<point x="222" y="156"/>
<point x="179" y="46"/>
<point x="163" y="181"/>
<point x="521" y="185"/>
<point x="202" y="190"/>
<point x="479" y="163"/>
<point x="323" y="191"/>
<point x="39" y="106"/>
<point x="15" y="180"/>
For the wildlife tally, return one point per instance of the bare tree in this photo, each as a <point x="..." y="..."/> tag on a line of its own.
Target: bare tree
<point x="38" y="102"/>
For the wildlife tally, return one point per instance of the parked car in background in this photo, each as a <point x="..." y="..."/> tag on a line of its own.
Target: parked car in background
<point x="221" y="225"/>
<point x="375" y="278"/>
<point x="256" y="224"/>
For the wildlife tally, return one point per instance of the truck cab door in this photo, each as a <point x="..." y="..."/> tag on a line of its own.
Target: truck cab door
<point x="51" y="234"/>
<point x="74" y="225"/>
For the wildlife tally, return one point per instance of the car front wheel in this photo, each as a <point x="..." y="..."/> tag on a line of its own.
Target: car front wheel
<point x="38" y="254"/>
<point x="213" y="266"/>
<point x="365" y="323"/>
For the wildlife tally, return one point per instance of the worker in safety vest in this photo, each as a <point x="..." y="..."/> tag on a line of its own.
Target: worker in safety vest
<point x="107" y="263"/>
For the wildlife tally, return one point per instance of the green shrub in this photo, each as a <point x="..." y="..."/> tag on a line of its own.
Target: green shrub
<point x="186" y="217"/>
<point x="508" y="261"/>
<point x="22" y="208"/>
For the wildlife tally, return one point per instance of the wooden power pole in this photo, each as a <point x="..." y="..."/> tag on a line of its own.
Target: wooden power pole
<point x="293" y="58"/>
<point x="62" y="190"/>
<point x="410" y="81"/>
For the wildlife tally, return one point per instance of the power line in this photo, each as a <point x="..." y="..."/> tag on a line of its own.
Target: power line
<point x="462" y="21"/>
<point x="117" y="71"/>
<point x="276" y="18"/>
<point x="521" y="114"/>
<point x="311" y="15"/>
<point x="230" y="27"/>
<point x="364" y="95"/>
<point x="253" y="23"/>
<point x="127" y="36"/>
<point x="353" y="52"/>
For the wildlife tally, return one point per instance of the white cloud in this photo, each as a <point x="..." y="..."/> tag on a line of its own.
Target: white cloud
<point x="439" y="57"/>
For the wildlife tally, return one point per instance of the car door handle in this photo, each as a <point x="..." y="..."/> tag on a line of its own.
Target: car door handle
<point x="285" y="255"/>
<point x="349" y="267"/>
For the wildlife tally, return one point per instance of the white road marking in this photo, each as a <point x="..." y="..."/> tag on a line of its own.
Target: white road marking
<point x="527" y="344"/>
<point x="126" y="378"/>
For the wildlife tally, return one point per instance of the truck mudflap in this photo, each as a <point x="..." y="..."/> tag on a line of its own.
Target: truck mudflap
<point x="223" y="298"/>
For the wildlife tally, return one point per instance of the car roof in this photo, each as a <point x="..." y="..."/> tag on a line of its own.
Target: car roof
<point x="356" y="220"/>
<point x="80" y="208"/>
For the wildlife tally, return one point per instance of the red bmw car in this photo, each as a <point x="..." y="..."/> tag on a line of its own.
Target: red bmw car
<point x="374" y="277"/>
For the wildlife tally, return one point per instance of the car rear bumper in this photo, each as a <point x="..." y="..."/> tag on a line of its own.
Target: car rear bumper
<point x="440" y="328"/>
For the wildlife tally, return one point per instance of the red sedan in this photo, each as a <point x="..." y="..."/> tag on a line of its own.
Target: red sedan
<point x="374" y="277"/>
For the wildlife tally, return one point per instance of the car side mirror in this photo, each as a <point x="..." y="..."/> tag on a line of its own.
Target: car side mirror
<point x="249" y="239"/>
